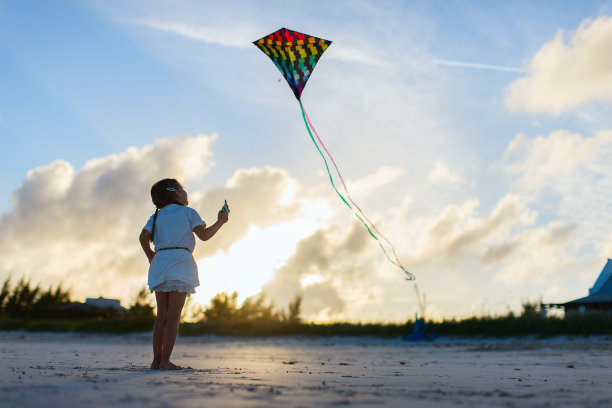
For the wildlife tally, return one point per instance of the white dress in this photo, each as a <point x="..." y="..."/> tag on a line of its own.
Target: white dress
<point x="174" y="269"/>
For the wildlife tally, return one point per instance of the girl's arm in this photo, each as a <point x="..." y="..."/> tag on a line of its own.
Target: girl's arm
<point x="145" y="242"/>
<point x="207" y="233"/>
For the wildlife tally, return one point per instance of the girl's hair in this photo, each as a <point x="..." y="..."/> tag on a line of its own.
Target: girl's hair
<point x="162" y="194"/>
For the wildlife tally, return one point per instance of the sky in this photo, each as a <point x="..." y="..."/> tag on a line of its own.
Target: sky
<point x="476" y="135"/>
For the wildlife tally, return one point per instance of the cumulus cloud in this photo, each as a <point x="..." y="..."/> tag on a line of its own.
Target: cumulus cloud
<point x="546" y="264"/>
<point x="605" y="247"/>
<point x="558" y="160"/>
<point x="258" y="196"/>
<point x="458" y="229"/>
<point x="553" y="236"/>
<point x="336" y="260"/>
<point x="383" y="176"/>
<point x="572" y="175"/>
<point x="441" y="173"/>
<point x="80" y="226"/>
<point x="56" y="200"/>
<point x="333" y="270"/>
<point x="567" y="73"/>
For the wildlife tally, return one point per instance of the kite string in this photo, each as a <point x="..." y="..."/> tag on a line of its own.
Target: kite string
<point x="410" y="276"/>
<point x="347" y="192"/>
<point x="397" y="261"/>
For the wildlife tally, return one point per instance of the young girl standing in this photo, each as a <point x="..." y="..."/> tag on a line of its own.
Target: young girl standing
<point x="173" y="272"/>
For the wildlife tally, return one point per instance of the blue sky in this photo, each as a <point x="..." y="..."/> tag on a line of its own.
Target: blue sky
<point x="473" y="132"/>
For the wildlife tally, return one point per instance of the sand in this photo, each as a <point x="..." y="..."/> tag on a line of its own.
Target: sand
<point x="73" y="370"/>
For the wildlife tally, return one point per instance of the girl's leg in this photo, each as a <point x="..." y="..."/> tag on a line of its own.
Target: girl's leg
<point x="158" y="328"/>
<point x="176" y="301"/>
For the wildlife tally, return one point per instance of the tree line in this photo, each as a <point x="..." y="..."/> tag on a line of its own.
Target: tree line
<point x="23" y="306"/>
<point x="27" y="301"/>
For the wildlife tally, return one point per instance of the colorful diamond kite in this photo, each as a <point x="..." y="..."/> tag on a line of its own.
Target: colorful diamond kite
<point x="294" y="54"/>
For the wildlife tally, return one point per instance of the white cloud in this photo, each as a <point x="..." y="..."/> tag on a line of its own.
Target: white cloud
<point x="569" y="177"/>
<point x="336" y="261"/>
<point x="464" y="64"/>
<point x="349" y="54"/>
<point x="243" y="35"/>
<point x="258" y="196"/>
<point x="80" y="226"/>
<point x="566" y="75"/>
<point x="526" y="265"/>
<point x="605" y="247"/>
<point x="553" y="162"/>
<point x="237" y="36"/>
<point x="458" y="230"/>
<point x="382" y="177"/>
<point x="442" y="174"/>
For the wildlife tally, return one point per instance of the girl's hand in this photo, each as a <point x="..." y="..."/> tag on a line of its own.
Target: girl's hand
<point x="222" y="217"/>
<point x="150" y="256"/>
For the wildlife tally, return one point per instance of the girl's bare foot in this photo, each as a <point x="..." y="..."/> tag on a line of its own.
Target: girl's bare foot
<point x="169" y="366"/>
<point x="155" y="365"/>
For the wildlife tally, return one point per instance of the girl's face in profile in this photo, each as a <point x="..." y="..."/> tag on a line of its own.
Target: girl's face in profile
<point x="181" y="195"/>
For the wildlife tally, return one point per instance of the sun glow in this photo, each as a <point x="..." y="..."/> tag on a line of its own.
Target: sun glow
<point x="311" y="279"/>
<point x="252" y="261"/>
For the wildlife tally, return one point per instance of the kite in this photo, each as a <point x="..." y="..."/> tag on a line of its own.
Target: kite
<point x="295" y="55"/>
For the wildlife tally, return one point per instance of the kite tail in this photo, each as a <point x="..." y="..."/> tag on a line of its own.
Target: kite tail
<point x="359" y="215"/>
<point x="348" y="194"/>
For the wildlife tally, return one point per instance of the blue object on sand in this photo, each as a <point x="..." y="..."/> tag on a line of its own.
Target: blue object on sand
<point x="419" y="332"/>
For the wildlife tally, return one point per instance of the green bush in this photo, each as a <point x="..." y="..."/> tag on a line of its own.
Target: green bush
<point x="26" y="301"/>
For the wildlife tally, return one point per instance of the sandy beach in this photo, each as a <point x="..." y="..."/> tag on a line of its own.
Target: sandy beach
<point x="60" y="370"/>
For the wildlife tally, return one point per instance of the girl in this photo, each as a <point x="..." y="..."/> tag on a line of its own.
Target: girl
<point x="173" y="272"/>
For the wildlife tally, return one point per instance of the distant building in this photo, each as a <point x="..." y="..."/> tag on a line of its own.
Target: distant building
<point x="104" y="303"/>
<point x="599" y="299"/>
<point x="91" y="309"/>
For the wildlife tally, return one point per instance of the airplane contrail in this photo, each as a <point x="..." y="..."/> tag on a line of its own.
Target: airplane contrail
<point x="481" y="66"/>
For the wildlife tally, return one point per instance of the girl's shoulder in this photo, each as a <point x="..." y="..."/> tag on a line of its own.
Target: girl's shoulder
<point x="187" y="208"/>
<point x="177" y="208"/>
<point x="173" y="208"/>
<point x="191" y="212"/>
